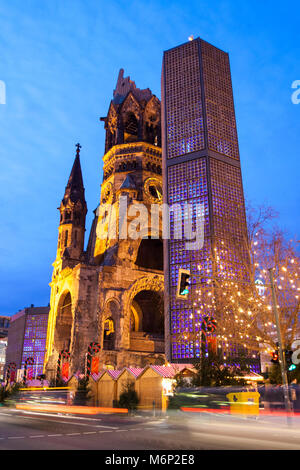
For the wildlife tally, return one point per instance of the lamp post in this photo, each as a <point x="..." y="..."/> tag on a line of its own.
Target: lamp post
<point x="287" y="401"/>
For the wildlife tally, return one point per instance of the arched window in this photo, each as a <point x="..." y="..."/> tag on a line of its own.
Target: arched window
<point x="109" y="334"/>
<point x="148" y="307"/>
<point x="64" y="321"/>
<point x="130" y="128"/>
<point x="67" y="215"/>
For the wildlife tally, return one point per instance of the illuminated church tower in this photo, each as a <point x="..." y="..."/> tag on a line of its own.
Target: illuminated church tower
<point x="111" y="292"/>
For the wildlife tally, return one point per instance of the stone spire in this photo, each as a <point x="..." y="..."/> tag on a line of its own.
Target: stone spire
<point x="73" y="211"/>
<point x="75" y="189"/>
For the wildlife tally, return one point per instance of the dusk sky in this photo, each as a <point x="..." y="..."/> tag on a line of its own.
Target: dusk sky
<point x="60" y="61"/>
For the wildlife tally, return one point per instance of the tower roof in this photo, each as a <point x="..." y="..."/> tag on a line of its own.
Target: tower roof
<point x="133" y="115"/>
<point x="125" y="85"/>
<point x="75" y="188"/>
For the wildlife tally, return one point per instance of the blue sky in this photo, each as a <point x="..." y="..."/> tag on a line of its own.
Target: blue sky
<point x="60" y="59"/>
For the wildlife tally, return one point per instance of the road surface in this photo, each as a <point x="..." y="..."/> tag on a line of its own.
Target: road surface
<point x="30" y="430"/>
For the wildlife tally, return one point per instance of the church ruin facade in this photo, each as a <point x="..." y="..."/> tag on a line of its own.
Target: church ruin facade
<point x="109" y="291"/>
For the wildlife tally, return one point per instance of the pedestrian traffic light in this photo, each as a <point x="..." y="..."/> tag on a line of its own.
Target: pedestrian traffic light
<point x="183" y="287"/>
<point x="275" y="357"/>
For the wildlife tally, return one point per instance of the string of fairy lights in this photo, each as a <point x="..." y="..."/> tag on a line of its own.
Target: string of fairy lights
<point x="240" y="299"/>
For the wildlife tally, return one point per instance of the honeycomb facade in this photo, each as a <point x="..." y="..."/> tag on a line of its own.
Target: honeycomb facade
<point x="201" y="166"/>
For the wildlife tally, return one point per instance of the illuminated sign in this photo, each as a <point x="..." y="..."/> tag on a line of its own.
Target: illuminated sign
<point x="260" y="287"/>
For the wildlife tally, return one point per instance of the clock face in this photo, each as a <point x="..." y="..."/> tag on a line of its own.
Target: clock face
<point x="153" y="189"/>
<point x="107" y="194"/>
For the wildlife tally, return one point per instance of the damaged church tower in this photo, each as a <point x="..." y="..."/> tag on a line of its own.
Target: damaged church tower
<point x="111" y="293"/>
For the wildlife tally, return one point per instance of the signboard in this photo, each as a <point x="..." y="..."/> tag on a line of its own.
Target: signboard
<point x="260" y="287"/>
<point x="65" y="370"/>
<point x="95" y="365"/>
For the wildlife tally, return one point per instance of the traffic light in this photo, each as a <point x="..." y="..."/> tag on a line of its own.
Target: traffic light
<point x="183" y="287"/>
<point x="275" y="357"/>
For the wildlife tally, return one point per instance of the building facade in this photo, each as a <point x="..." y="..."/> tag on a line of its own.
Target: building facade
<point x="3" y="347"/>
<point x="201" y="165"/>
<point x="110" y="293"/>
<point x="27" y="338"/>
<point x="4" y="326"/>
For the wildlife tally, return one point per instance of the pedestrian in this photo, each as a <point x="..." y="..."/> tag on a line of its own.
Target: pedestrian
<point x="293" y="393"/>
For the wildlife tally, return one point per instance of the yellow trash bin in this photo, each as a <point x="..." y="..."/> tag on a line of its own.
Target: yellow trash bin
<point x="244" y="403"/>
